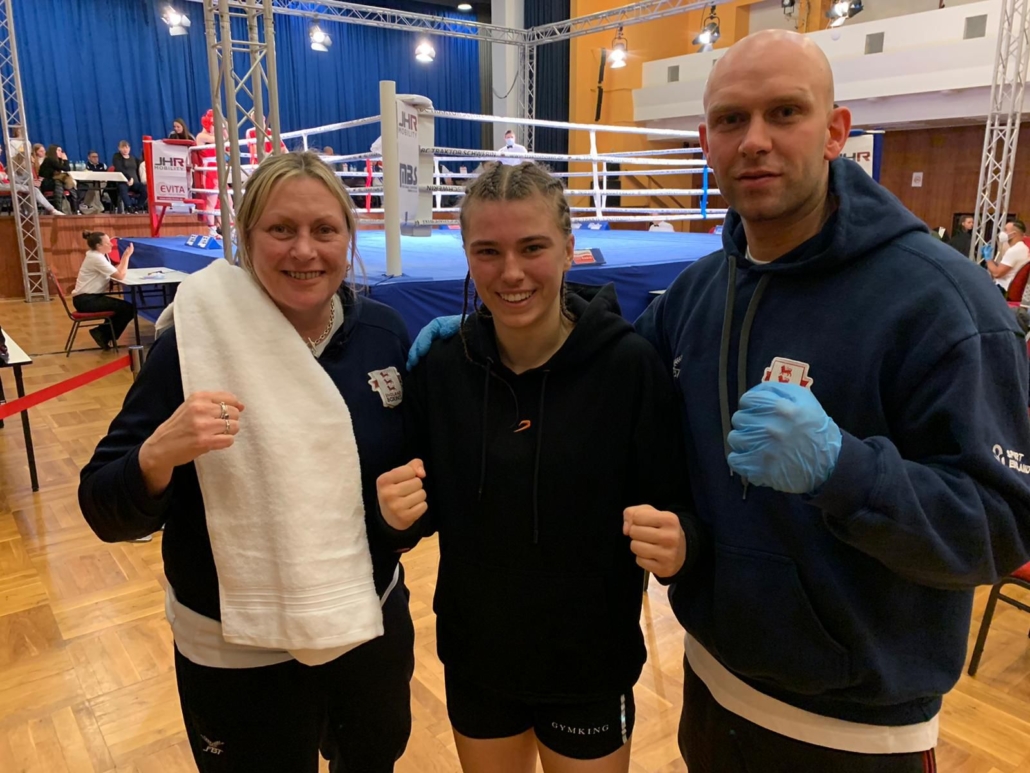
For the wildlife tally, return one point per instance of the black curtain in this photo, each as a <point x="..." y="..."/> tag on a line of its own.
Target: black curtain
<point x="552" y="79"/>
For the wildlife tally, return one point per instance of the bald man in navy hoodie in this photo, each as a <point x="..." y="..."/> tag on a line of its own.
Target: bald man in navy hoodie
<point x="854" y="408"/>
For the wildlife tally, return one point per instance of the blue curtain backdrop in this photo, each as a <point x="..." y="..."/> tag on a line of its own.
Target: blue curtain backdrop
<point x="97" y="72"/>
<point x="552" y="81"/>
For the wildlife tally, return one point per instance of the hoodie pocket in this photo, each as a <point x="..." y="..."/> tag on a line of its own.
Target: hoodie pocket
<point x="766" y="628"/>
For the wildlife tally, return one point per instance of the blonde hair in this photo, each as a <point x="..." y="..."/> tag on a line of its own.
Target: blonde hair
<point x="500" y="182"/>
<point x="277" y="169"/>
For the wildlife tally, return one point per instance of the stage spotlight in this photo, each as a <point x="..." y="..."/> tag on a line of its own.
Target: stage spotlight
<point x="424" y="52"/>
<point x="788" y="5"/>
<point x="177" y="22"/>
<point x="842" y="11"/>
<point x="617" y="56"/>
<point x="709" y="33"/>
<point x="320" y="41"/>
<point x="464" y="6"/>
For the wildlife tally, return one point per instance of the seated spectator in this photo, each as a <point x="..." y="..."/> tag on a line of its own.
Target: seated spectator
<point x="38" y="155"/>
<point x="93" y="194"/>
<point x="179" y="131"/>
<point x="662" y="226"/>
<point x="55" y="178"/>
<point x="93" y="163"/>
<point x="24" y="185"/>
<point x="132" y="194"/>
<point x="90" y="293"/>
<point x="1013" y="254"/>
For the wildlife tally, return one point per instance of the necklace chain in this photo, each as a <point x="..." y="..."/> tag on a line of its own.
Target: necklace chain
<point x="312" y="345"/>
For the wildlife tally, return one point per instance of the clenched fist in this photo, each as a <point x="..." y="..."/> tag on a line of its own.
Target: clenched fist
<point x="206" y="421"/>
<point x="402" y="500"/>
<point x="656" y="539"/>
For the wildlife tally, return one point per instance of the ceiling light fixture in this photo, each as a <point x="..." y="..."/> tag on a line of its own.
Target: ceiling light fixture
<point x="842" y="11"/>
<point x="709" y="32"/>
<point x="320" y="41"/>
<point x="177" y="22"/>
<point x="620" y="49"/>
<point x="424" y="52"/>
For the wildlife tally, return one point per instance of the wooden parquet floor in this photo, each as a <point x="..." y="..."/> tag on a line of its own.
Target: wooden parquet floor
<point x="86" y="673"/>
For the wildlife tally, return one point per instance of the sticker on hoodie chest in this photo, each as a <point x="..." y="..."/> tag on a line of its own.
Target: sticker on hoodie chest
<point x="387" y="384"/>
<point x="784" y="371"/>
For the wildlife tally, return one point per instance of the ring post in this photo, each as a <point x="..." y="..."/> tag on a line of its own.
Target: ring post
<point x="391" y="180"/>
<point x="704" y="194"/>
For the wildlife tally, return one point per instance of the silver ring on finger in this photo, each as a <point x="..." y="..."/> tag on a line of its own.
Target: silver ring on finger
<point x="225" y="412"/>
<point x="228" y="428"/>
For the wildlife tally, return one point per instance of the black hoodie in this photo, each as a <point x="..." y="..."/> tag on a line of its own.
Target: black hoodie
<point x="527" y="477"/>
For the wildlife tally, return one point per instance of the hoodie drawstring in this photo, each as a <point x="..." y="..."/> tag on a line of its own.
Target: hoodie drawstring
<point x="536" y="458"/>
<point x="724" y="350"/>
<point x="482" y="443"/>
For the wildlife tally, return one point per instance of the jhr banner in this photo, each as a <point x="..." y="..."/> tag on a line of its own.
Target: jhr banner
<point x="860" y="150"/>
<point x="407" y="154"/>
<point x="171" y="177"/>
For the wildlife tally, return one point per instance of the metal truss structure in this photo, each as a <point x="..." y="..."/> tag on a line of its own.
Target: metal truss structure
<point x="227" y="86"/>
<point x="1002" y="135"/>
<point x="19" y="163"/>
<point x="635" y="13"/>
<point x="526" y="39"/>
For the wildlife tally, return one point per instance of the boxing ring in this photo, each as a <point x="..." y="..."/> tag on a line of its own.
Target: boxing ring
<point x="409" y="247"/>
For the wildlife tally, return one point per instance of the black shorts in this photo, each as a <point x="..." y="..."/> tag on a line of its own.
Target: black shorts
<point x="581" y="731"/>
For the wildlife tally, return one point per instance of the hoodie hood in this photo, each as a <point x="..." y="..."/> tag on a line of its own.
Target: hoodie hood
<point x="599" y="323"/>
<point x="868" y="216"/>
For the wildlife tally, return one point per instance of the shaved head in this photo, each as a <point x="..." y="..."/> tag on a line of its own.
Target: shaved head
<point x="771" y="49"/>
<point x="770" y="132"/>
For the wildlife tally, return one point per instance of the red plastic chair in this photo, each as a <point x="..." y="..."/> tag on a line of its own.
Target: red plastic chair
<point x="1019" y="578"/>
<point x="1018" y="284"/>
<point x="79" y="319"/>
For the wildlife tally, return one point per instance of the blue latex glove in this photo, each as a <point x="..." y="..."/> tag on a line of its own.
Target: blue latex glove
<point x="783" y="439"/>
<point x="441" y="327"/>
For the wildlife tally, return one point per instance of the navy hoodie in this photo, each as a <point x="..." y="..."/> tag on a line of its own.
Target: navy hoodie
<point x="114" y="498"/>
<point x="538" y="594"/>
<point x="854" y="603"/>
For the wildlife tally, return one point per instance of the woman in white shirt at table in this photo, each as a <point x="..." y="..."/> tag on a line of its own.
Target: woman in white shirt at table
<point x="93" y="282"/>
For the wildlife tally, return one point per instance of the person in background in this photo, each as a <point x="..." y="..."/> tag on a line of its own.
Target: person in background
<point x="179" y="130"/>
<point x="962" y="239"/>
<point x="171" y="455"/>
<point x="25" y="186"/>
<point x="55" y="178"/>
<point x="132" y="193"/>
<point x="852" y="391"/>
<point x="511" y="148"/>
<point x="38" y="157"/>
<point x="1012" y="255"/>
<point x="93" y="162"/>
<point x="93" y="283"/>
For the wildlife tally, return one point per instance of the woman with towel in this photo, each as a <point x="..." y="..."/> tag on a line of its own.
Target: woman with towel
<point x="254" y="435"/>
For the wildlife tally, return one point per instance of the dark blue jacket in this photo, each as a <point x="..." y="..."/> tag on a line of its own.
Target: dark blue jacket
<point x="113" y="496"/>
<point x="854" y="603"/>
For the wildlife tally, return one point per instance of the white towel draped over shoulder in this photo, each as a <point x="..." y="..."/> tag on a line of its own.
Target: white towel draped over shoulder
<point x="284" y="508"/>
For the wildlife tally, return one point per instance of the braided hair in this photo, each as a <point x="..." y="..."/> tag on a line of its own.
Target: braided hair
<point x="501" y="182"/>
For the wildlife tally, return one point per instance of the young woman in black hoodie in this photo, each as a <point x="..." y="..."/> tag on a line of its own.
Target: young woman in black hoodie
<point x="547" y="455"/>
